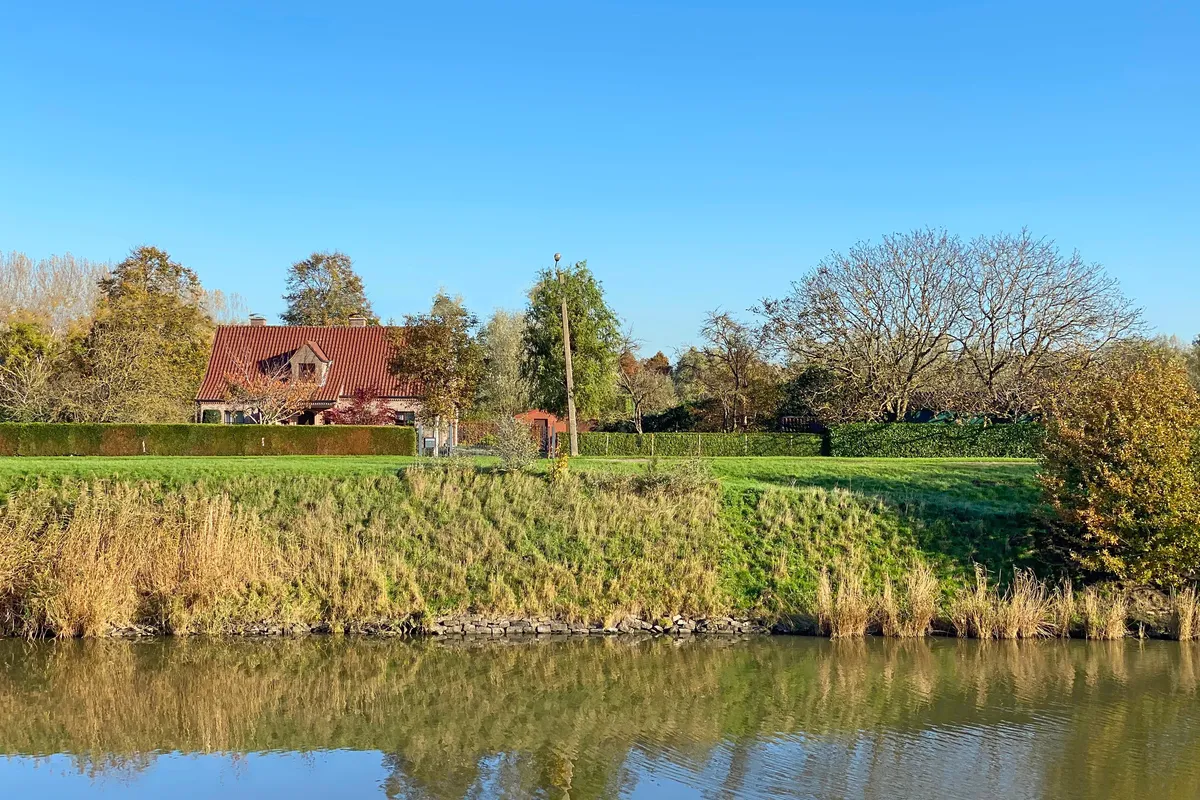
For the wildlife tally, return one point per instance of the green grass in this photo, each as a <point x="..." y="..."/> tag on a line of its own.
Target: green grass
<point x="973" y="487"/>
<point x="351" y="538"/>
<point x="963" y="510"/>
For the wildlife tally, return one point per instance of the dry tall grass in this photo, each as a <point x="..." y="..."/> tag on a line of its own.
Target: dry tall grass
<point x="909" y="613"/>
<point x="973" y="612"/>
<point x="1185" y="614"/>
<point x="845" y="613"/>
<point x="1062" y="609"/>
<point x="1104" y="613"/>
<point x="1025" y="611"/>
<point x="83" y="559"/>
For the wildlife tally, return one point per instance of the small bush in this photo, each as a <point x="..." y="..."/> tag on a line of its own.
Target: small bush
<point x="934" y="440"/>
<point x="515" y="445"/>
<point x="1119" y="472"/>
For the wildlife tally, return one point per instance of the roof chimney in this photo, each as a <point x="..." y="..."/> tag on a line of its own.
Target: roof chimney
<point x="257" y="321"/>
<point x="358" y="321"/>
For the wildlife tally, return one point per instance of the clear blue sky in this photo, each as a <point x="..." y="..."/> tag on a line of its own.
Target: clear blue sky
<point x="697" y="154"/>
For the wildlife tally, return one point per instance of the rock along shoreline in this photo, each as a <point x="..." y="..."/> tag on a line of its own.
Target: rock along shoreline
<point x="484" y="626"/>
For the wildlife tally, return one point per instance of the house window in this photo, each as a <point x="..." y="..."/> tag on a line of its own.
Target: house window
<point x="308" y="371"/>
<point x="406" y="418"/>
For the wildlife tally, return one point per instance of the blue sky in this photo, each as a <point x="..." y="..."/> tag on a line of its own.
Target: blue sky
<point x="697" y="154"/>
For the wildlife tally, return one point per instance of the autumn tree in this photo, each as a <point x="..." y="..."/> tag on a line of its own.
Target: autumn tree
<point x="659" y="363"/>
<point x="324" y="289"/>
<point x="595" y="342"/>
<point x="1119" y="467"/>
<point x="28" y="373"/>
<point x="1193" y="361"/>
<point x="366" y="407"/>
<point x="145" y="354"/>
<point x="642" y="383"/>
<point x="503" y="389"/>
<point x="267" y="393"/>
<point x="439" y="350"/>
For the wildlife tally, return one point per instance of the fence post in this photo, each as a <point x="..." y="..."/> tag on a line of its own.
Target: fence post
<point x="698" y="440"/>
<point x="652" y="445"/>
<point x="746" y="444"/>
<point x="607" y="436"/>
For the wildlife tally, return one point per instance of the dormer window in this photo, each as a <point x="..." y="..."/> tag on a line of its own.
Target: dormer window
<point x="309" y="363"/>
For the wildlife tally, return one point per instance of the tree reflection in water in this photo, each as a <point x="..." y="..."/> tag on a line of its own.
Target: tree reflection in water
<point x="598" y="718"/>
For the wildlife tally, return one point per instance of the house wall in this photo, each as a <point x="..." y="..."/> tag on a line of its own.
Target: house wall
<point x="396" y="404"/>
<point x="306" y="356"/>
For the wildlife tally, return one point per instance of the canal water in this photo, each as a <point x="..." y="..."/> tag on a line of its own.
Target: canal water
<point x="750" y="718"/>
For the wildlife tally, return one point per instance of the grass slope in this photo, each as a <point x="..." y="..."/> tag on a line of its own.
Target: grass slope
<point x="215" y="543"/>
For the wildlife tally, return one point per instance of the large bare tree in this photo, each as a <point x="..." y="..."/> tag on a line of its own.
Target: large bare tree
<point x="1023" y="308"/>
<point x="922" y="320"/>
<point x="880" y="318"/>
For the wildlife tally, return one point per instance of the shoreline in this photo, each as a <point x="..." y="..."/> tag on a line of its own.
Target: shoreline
<point x="485" y="627"/>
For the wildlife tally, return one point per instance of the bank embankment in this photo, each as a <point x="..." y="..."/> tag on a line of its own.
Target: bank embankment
<point x="459" y="549"/>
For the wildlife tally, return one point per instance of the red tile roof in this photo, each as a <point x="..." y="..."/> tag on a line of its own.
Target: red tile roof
<point x="359" y="357"/>
<point x="317" y="351"/>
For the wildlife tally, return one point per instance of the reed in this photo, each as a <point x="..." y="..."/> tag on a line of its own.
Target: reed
<point x="1185" y="614"/>
<point x="910" y="612"/>
<point x="1104" y="613"/>
<point x="825" y="603"/>
<point x="846" y="612"/>
<point x="1023" y="610"/>
<point x="889" y="613"/>
<point x="1062" y="609"/>
<point x="973" y="612"/>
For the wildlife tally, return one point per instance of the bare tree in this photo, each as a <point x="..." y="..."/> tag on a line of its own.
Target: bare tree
<point x="269" y="393"/>
<point x="225" y="308"/>
<point x="59" y="291"/>
<point x="27" y="391"/>
<point x="729" y="358"/>
<point x="879" y="318"/>
<point x="1023" y="308"/>
<point x="648" y="388"/>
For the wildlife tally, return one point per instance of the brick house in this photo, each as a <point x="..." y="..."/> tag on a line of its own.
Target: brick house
<point x="338" y="360"/>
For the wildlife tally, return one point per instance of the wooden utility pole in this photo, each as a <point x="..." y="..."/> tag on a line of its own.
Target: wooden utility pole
<point x="566" y="326"/>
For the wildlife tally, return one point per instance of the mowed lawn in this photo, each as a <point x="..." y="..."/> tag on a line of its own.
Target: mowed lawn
<point x="964" y="488"/>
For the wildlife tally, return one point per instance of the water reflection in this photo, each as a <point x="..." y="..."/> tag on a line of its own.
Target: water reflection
<point x="775" y="717"/>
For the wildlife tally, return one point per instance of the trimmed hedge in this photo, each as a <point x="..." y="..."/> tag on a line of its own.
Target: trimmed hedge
<point x="701" y="444"/>
<point x="70" y="439"/>
<point x="935" y="440"/>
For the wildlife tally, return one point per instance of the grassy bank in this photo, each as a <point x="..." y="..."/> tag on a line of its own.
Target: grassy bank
<point x="218" y="544"/>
